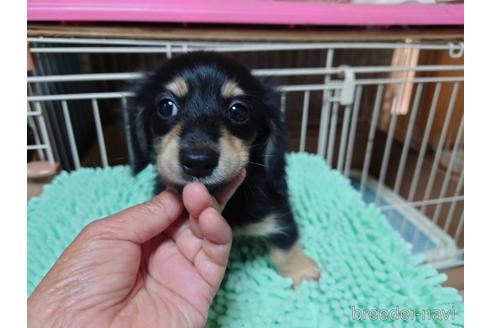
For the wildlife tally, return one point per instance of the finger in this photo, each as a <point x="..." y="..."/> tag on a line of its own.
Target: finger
<point x="217" y="235"/>
<point x="188" y="244"/>
<point x="186" y="241"/>
<point x="211" y="260"/>
<point x="196" y="198"/>
<point x="230" y="189"/>
<point x="177" y="227"/>
<point x="142" y="222"/>
<point x="195" y="227"/>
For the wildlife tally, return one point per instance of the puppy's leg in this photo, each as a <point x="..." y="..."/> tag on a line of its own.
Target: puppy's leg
<point x="286" y="253"/>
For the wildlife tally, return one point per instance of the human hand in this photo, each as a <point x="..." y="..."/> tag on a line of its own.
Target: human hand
<point x="158" y="264"/>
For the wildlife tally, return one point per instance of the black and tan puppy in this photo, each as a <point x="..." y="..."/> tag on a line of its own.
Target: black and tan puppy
<point x="203" y="117"/>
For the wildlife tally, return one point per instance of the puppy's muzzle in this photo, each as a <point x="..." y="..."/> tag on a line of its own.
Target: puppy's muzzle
<point x="198" y="162"/>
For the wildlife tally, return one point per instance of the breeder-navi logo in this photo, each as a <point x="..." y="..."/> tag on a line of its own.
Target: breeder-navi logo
<point x="396" y="313"/>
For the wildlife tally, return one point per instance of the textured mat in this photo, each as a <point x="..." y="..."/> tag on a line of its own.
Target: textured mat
<point x="369" y="277"/>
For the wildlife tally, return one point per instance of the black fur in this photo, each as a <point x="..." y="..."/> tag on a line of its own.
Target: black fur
<point x="264" y="190"/>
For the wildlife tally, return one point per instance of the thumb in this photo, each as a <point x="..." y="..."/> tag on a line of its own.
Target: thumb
<point x="139" y="223"/>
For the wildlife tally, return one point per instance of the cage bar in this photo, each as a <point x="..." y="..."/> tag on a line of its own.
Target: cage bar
<point x="305" y="116"/>
<point x="37" y="147"/>
<point x="459" y="229"/>
<point x="282" y="102"/>
<point x="423" y="145"/>
<point x="452" y="208"/>
<point x="353" y="128"/>
<point x="442" y="137"/>
<point x="34" y="128"/>
<point x="44" y="133"/>
<point x="326" y="105"/>
<point x="122" y="76"/>
<point x="71" y="136"/>
<point x="100" y="135"/>
<point x="370" y="138"/>
<point x="183" y="47"/>
<point x="425" y="202"/>
<point x="332" y="136"/>
<point x="447" y="176"/>
<point x="408" y="138"/>
<point x="343" y="141"/>
<point x="388" y="144"/>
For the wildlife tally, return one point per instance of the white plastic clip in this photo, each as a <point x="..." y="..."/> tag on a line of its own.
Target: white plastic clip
<point x="456" y="50"/>
<point x="348" y="86"/>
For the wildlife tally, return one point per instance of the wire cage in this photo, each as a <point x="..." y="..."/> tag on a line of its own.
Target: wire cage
<point x="388" y="115"/>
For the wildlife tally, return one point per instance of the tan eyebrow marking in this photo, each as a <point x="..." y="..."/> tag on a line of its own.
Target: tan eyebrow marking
<point x="178" y="86"/>
<point x="231" y="89"/>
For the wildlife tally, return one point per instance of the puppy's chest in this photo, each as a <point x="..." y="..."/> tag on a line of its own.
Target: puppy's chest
<point x="247" y="207"/>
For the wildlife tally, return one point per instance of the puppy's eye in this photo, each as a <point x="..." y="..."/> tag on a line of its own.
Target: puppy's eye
<point x="238" y="113"/>
<point x="167" y="108"/>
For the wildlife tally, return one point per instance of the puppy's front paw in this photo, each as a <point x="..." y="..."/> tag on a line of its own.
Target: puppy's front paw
<point x="303" y="268"/>
<point x="295" y="264"/>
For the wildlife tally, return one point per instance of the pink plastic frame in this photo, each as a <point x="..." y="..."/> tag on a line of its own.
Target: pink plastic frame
<point x="244" y="12"/>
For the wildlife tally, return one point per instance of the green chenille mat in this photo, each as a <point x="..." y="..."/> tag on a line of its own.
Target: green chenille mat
<point x="369" y="277"/>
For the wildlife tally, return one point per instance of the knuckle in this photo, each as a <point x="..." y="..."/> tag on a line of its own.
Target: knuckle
<point x="93" y="229"/>
<point x="161" y="204"/>
<point x="99" y="229"/>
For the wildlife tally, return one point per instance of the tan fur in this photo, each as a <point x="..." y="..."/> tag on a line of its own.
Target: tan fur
<point x="263" y="228"/>
<point x="230" y="89"/>
<point x="234" y="155"/>
<point x="178" y="86"/>
<point x="294" y="264"/>
<point x="168" y="155"/>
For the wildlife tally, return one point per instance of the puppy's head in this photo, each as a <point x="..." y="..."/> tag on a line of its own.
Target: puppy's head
<point x="202" y="113"/>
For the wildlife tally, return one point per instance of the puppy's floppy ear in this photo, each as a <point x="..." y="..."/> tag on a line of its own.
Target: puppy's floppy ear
<point x="275" y="143"/>
<point x="135" y="117"/>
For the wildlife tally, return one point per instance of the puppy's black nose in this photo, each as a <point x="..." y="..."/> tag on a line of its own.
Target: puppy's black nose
<point x="198" y="162"/>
